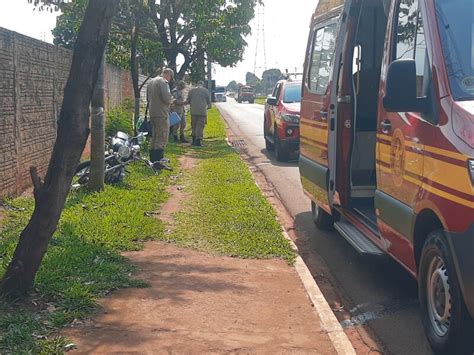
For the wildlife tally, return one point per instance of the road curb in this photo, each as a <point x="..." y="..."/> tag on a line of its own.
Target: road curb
<point x="329" y="322"/>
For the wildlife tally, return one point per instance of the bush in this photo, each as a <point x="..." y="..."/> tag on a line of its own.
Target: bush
<point x="120" y="119"/>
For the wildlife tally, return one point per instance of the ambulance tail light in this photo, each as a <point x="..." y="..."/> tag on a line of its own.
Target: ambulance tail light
<point x="470" y="166"/>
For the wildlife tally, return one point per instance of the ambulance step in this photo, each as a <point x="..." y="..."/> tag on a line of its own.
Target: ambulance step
<point x="362" y="244"/>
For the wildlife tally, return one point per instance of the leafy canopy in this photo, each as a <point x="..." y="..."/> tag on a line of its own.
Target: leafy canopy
<point x="131" y="13"/>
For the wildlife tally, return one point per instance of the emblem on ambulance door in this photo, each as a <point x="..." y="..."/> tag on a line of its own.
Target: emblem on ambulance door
<point x="397" y="157"/>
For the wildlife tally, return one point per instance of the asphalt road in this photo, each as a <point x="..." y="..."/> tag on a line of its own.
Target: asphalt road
<point x="380" y="309"/>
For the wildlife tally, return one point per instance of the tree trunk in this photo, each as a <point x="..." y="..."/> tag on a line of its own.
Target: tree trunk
<point x="209" y="76"/>
<point x="171" y="58"/>
<point x="96" y="178"/>
<point x="134" y="72"/>
<point x="73" y="130"/>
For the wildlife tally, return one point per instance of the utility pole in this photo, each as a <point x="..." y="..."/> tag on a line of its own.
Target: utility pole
<point x="209" y="75"/>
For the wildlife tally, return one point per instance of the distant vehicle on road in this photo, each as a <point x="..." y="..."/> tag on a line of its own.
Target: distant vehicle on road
<point x="281" y="125"/>
<point x="220" y="94"/>
<point x="246" y="94"/>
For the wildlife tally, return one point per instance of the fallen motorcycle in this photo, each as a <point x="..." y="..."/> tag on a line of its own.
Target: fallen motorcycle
<point x="121" y="150"/>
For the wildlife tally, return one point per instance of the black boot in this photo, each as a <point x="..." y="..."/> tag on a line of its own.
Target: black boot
<point x="182" y="138"/>
<point x="199" y="142"/>
<point x="153" y="156"/>
<point x="175" y="138"/>
<point x="161" y="163"/>
<point x="194" y="141"/>
<point x="160" y="153"/>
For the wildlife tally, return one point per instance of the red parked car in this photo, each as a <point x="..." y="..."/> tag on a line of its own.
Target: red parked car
<point x="281" y="125"/>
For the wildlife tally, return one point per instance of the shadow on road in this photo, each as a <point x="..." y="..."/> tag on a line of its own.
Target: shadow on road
<point x="272" y="159"/>
<point x="373" y="291"/>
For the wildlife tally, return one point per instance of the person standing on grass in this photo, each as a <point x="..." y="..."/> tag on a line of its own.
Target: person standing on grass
<point x="179" y="107"/>
<point x="199" y="100"/>
<point x="159" y="100"/>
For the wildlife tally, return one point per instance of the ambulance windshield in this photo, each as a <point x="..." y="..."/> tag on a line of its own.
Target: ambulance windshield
<point x="456" y="27"/>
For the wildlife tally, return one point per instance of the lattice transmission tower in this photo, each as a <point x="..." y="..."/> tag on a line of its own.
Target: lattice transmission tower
<point x="260" y="47"/>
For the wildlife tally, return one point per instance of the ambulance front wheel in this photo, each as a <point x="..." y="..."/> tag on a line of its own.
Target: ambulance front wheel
<point x="446" y="320"/>
<point x="321" y="218"/>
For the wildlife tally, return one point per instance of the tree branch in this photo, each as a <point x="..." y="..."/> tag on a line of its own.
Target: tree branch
<point x="37" y="183"/>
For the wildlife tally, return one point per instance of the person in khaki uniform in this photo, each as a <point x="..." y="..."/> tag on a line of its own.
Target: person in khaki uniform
<point x="178" y="107"/>
<point x="159" y="99"/>
<point x="199" y="100"/>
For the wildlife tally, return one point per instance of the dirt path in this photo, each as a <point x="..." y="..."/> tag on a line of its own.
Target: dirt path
<point x="200" y="303"/>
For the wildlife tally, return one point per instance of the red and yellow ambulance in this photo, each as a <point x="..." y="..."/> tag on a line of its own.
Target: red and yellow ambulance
<point x="387" y="144"/>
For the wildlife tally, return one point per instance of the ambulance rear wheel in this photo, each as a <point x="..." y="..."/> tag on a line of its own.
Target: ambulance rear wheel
<point x="321" y="218"/>
<point x="448" y="327"/>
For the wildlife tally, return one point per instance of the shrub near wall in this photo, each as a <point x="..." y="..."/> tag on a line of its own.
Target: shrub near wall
<point x="120" y="119"/>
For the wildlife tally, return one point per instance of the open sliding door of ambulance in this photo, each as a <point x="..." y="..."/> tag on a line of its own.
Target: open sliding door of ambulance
<point x="340" y="112"/>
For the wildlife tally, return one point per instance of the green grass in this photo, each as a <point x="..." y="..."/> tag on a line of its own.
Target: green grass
<point x="260" y="100"/>
<point x="83" y="262"/>
<point x="227" y="213"/>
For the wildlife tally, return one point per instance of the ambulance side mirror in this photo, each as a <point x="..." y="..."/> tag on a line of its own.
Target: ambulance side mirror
<point x="400" y="88"/>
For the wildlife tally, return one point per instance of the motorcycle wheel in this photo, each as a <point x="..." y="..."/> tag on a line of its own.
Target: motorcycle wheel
<point x="81" y="176"/>
<point x="115" y="176"/>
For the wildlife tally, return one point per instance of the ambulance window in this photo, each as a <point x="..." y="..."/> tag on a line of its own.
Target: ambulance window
<point x="411" y="42"/>
<point x="315" y="60"/>
<point x="321" y="59"/>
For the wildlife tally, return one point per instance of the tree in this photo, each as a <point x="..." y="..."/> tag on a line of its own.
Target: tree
<point x="192" y="28"/>
<point x="269" y="79"/>
<point x="132" y="43"/>
<point x="73" y="130"/>
<point x="130" y="17"/>
<point x="232" y="86"/>
<point x="251" y="79"/>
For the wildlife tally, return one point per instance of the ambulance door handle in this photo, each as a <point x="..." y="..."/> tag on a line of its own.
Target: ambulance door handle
<point x="386" y="126"/>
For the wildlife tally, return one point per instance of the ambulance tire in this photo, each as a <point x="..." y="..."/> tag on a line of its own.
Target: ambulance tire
<point x="449" y="328"/>
<point x="321" y="218"/>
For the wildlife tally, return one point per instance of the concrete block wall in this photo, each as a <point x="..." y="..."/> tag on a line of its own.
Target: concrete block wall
<point x="32" y="79"/>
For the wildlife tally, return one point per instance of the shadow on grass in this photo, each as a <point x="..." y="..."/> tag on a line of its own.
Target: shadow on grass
<point x="83" y="261"/>
<point x="74" y="274"/>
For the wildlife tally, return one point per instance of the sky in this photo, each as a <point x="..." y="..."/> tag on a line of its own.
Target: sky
<point x="286" y="31"/>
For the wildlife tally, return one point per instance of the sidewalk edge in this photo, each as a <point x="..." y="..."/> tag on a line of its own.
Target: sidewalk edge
<point x="329" y="322"/>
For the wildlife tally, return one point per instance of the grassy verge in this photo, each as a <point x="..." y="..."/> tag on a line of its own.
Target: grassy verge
<point x="227" y="213"/>
<point x="83" y="262"/>
<point x="260" y="100"/>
